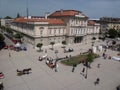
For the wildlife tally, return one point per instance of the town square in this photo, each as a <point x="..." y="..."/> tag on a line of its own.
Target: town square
<point x="59" y="45"/>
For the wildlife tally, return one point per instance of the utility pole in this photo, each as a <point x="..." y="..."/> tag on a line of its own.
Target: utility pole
<point x="86" y="70"/>
<point x="27" y="10"/>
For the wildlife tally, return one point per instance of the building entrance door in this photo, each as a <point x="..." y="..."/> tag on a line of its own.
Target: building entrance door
<point x="78" y="39"/>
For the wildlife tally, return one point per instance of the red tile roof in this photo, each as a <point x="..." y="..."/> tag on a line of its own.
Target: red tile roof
<point x="91" y="22"/>
<point x="56" y="21"/>
<point x="50" y="21"/>
<point x="65" y="13"/>
<point x="20" y="20"/>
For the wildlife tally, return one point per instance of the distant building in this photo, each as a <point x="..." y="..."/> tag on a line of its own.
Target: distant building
<point x="69" y="25"/>
<point x="6" y="22"/>
<point x="93" y="27"/>
<point x="109" y="23"/>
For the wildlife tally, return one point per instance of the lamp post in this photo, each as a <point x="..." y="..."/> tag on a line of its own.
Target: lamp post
<point x="86" y="70"/>
<point x="56" y="51"/>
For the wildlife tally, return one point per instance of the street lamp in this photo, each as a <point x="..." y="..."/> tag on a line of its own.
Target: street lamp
<point x="56" y="51"/>
<point x="86" y="70"/>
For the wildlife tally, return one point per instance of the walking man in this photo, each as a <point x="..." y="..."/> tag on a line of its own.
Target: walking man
<point x="56" y="67"/>
<point x="83" y="70"/>
<point x="98" y="65"/>
<point x="73" y="69"/>
<point x="97" y="81"/>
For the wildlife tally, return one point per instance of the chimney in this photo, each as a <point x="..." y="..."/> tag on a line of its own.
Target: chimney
<point x="46" y="15"/>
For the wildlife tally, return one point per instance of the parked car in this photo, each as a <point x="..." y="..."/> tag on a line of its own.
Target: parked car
<point x="68" y="50"/>
<point x="11" y="47"/>
<point x="6" y="47"/>
<point x="1" y="75"/>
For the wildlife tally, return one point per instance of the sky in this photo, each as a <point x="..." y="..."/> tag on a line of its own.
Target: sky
<point x="94" y="9"/>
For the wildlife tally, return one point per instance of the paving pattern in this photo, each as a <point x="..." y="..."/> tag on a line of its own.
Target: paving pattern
<point x="45" y="78"/>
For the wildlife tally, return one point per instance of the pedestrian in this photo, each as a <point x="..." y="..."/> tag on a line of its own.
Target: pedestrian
<point x="9" y="55"/>
<point x="97" y="81"/>
<point x="83" y="70"/>
<point x="98" y="65"/>
<point x="45" y="50"/>
<point x="73" y="69"/>
<point x="1" y="86"/>
<point x="56" y="67"/>
<point x="103" y="54"/>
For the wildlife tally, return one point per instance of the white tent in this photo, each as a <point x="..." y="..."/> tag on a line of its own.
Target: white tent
<point x="94" y="49"/>
<point x="116" y="58"/>
<point x="44" y="56"/>
<point x="18" y="45"/>
<point x="100" y="48"/>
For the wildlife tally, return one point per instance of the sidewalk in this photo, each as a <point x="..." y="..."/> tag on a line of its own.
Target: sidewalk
<point x="44" y="78"/>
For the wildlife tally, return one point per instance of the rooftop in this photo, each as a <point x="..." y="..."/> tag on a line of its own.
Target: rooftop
<point x="49" y="20"/>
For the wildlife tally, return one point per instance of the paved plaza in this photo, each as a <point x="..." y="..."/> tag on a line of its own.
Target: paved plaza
<point x="44" y="78"/>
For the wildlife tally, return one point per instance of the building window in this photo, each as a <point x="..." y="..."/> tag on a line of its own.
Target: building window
<point x="71" y="31"/>
<point x="41" y="32"/>
<point x="41" y="28"/>
<point x="59" y="31"/>
<point x="54" y="31"/>
<point x="50" y="31"/>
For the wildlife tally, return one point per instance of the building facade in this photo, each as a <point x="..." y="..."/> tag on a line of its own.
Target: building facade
<point x="6" y="22"/>
<point x="40" y="30"/>
<point x="62" y="25"/>
<point x="76" y="24"/>
<point x="109" y="23"/>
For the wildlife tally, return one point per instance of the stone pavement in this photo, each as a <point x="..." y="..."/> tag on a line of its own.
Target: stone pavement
<point x="44" y="78"/>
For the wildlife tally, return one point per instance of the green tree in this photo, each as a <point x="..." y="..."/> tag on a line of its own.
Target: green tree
<point x="94" y="38"/>
<point x="112" y="33"/>
<point x="8" y="30"/>
<point x="2" y="27"/>
<point x="52" y="43"/>
<point x="39" y="45"/>
<point x="1" y="38"/>
<point x="7" y="17"/>
<point x="64" y="43"/>
<point x="89" y="58"/>
<point x="18" y="36"/>
<point x="18" y="15"/>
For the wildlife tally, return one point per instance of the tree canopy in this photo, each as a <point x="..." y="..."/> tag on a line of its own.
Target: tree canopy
<point x="64" y="42"/>
<point x="18" y="15"/>
<point x="39" y="45"/>
<point x="112" y="33"/>
<point x="52" y="43"/>
<point x="1" y="38"/>
<point x="90" y="58"/>
<point x="8" y="17"/>
<point x="18" y="35"/>
<point x="9" y="31"/>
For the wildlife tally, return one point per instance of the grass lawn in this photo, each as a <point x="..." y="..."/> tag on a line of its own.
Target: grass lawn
<point x="77" y="59"/>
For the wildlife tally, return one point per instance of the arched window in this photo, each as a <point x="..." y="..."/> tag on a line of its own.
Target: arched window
<point x="41" y="30"/>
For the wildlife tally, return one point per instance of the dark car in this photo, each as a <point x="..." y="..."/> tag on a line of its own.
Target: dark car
<point x="118" y="87"/>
